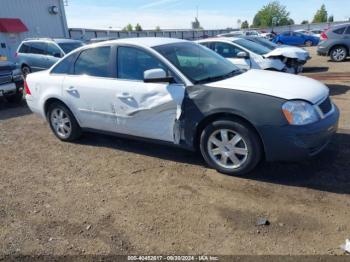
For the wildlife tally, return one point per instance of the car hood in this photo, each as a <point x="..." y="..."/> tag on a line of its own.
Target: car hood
<point x="290" y="52"/>
<point x="282" y="85"/>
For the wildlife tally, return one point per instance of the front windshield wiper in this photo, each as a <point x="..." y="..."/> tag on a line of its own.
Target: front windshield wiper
<point x="217" y="78"/>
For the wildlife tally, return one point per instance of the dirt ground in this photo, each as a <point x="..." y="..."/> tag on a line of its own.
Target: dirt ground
<point x="105" y="195"/>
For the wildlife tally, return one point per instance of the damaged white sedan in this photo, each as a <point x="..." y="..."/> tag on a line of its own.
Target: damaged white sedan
<point x="248" y="54"/>
<point x="183" y="94"/>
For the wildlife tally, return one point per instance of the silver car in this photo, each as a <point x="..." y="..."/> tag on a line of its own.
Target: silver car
<point x="335" y="42"/>
<point x="39" y="54"/>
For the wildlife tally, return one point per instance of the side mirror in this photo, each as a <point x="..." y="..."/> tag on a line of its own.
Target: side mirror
<point x="243" y="54"/>
<point x="156" y="75"/>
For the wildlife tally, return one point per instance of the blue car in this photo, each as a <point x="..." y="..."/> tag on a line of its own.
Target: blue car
<point x="295" y="38"/>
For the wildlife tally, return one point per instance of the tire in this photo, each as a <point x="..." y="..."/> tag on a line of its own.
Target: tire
<point x="338" y="54"/>
<point x="244" y="147"/>
<point x="64" y="125"/>
<point x="309" y="43"/>
<point x="25" y="71"/>
<point x="279" y="43"/>
<point x="15" y="99"/>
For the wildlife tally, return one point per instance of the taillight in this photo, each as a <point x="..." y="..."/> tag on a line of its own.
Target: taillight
<point x="26" y="88"/>
<point x="324" y="36"/>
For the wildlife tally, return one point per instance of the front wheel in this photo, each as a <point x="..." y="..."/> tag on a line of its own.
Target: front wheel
<point x="63" y="123"/>
<point x="231" y="147"/>
<point x="338" y="54"/>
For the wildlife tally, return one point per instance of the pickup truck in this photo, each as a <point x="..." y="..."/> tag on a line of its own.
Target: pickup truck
<point x="11" y="82"/>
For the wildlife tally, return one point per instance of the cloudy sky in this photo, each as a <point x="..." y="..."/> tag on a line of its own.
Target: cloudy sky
<point x="179" y="13"/>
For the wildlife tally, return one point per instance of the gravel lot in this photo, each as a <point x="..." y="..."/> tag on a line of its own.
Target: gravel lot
<point x="105" y="195"/>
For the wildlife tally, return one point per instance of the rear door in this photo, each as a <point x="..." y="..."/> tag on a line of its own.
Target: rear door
<point x="347" y="37"/>
<point x="90" y="89"/>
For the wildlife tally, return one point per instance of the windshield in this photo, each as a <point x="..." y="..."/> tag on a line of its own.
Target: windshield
<point x="252" y="46"/>
<point x="198" y="63"/>
<point x="69" y="47"/>
<point x="270" y="45"/>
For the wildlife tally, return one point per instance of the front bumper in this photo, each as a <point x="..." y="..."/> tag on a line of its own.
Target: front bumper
<point x="293" y="143"/>
<point x="11" y="88"/>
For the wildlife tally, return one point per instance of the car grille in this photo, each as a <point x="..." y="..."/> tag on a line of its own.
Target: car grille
<point x="5" y="79"/>
<point x="326" y="106"/>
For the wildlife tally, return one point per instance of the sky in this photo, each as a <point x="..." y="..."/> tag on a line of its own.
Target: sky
<point x="178" y="14"/>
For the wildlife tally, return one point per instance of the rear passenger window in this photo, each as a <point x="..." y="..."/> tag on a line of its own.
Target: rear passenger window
<point x="339" y="31"/>
<point x="347" y="31"/>
<point x="38" y="48"/>
<point x="64" y="67"/>
<point x="226" y="50"/>
<point x="94" y="62"/>
<point x="24" y="48"/>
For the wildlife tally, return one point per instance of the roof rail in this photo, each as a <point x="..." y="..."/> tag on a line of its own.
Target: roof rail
<point x="38" y="38"/>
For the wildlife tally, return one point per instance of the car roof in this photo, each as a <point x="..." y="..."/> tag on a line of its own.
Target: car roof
<point x="56" y="40"/>
<point x="65" y="40"/>
<point x="143" y="41"/>
<point x="341" y="25"/>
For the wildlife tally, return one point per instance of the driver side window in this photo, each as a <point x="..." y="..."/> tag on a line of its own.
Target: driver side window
<point x="226" y="50"/>
<point x="133" y="62"/>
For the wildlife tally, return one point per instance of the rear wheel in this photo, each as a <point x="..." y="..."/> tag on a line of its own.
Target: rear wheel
<point x="231" y="147"/>
<point x="26" y="71"/>
<point x="338" y="54"/>
<point x="63" y="123"/>
<point x="309" y="43"/>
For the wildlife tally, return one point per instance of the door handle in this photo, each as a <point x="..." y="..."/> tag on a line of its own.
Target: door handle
<point x="124" y="96"/>
<point x="71" y="89"/>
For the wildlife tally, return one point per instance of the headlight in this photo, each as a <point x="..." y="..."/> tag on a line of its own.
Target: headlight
<point x="300" y="113"/>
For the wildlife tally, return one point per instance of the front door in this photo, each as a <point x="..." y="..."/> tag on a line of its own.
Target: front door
<point x="230" y="52"/>
<point x="147" y="110"/>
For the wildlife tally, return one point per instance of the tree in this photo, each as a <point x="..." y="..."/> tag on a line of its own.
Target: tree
<point x="305" y="22"/>
<point x="128" y="28"/>
<point x="158" y="28"/>
<point x="138" y="27"/>
<point x="245" y="25"/>
<point x="321" y="15"/>
<point x="196" y="24"/>
<point x="331" y="19"/>
<point x="269" y="12"/>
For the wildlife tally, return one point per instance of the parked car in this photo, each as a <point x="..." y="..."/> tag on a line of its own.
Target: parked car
<point x="11" y="82"/>
<point x="240" y="33"/>
<point x="295" y="38"/>
<point x="292" y="56"/>
<point x="40" y="54"/>
<point x="183" y="94"/>
<point x="335" y="42"/>
<point x="268" y="36"/>
<point x="247" y="55"/>
<point x="317" y="32"/>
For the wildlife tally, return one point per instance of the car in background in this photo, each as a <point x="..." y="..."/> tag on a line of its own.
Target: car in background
<point x="11" y="82"/>
<point x="292" y="56"/>
<point x="247" y="54"/>
<point x="296" y="39"/>
<point x="335" y="42"/>
<point x="268" y="36"/>
<point x="317" y="32"/>
<point x="41" y="53"/>
<point x="183" y="94"/>
<point x="240" y="33"/>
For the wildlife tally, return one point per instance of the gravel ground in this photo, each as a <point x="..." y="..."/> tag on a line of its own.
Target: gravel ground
<point x="105" y="195"/>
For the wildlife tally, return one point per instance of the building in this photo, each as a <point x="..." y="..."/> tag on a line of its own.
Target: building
<point x="20" y="19"/>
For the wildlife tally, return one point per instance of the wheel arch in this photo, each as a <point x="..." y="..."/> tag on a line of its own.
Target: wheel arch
<point x="51" y="100"/>
<point x="228" y="116"/>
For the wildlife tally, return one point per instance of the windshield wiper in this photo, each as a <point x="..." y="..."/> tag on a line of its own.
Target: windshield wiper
<point x="217" y="78"/>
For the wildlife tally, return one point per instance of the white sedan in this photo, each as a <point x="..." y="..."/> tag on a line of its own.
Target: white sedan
<point x="247" y="54"/>
<point x="183" y="94"/>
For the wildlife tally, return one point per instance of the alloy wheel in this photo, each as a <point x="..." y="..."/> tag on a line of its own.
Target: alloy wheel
<point x="227" y="149"/>
<point x="339" y="54"/>
<point x="61" y="123"/>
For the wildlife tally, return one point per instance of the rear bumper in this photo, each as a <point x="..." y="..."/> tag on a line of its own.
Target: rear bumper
<point x="321" y="51"/>
<point x="293" y="143"/>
